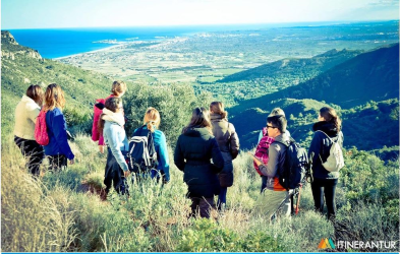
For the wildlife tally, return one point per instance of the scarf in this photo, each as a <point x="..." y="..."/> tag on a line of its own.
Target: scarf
<point x="113" y="117"/>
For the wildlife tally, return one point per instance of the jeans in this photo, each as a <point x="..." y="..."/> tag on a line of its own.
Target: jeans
<point x="328" y="188"/>
<point x="57" y="162"/>
<point x="33" y="152"/>
<point x="222" y="198"/>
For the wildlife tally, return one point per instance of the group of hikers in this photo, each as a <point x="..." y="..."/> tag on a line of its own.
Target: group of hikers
<point x="204" y="151"/>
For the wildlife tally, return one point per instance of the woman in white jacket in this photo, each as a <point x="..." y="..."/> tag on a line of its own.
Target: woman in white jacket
<point x="24" y="131"/>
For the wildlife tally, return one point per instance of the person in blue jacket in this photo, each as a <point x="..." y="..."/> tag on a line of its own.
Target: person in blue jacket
<point x="151" y="122"/>
<point x="111" y="124"/>
<point x="58" y="150"/>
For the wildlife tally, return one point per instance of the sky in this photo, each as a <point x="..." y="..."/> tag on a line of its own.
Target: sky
<point x="17" y="14"/>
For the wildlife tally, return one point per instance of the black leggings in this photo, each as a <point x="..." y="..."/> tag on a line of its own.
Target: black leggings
<point x="328" y="187"/>
<point x="114" y="175"/>
<point x="33" y="152"/>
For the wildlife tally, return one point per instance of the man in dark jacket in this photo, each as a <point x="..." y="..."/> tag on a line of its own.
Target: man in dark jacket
<point x="194" y="149"/>
<point x="274" y="193"/>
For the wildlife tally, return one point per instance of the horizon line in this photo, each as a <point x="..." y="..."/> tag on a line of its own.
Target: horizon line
<point x="221" y="24"/>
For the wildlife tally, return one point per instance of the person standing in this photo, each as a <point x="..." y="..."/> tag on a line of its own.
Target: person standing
<point x="274" y="195"/>
<point x="118" y="89"/>
<point x="151" y="122"/>
<point x="228" y="142"/>
<point x="326" y="131"/>
<point x="195" y="147"/>
<point x="112" y="125"/>
<point x="58" y="150"/>
<point x="26" y="114"/>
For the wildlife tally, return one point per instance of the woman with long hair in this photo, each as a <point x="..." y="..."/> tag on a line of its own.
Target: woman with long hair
<point x="228" y="142"/>
<point x="151" y="122"/>
<point x="194" y="150"/>
<point x="111" y="124"/>
<point x="26" y="114"/>
<point x="58" y="150"/>
<point x="326" y="131"/>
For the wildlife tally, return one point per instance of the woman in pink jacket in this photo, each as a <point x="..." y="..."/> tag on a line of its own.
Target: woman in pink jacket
<point x="118" y="90"/>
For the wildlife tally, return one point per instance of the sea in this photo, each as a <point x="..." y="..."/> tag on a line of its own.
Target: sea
<point x="63" y="42"/>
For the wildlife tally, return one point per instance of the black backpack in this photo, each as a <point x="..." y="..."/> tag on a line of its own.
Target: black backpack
<point x="295" y="166"/>
<point x="142" y="153"/>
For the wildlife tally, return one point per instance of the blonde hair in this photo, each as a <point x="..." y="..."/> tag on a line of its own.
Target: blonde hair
<point x="118" y="87"/>
<point x="276" y="112"/>
<point x="54" y="97"/>
<point x="218" y="108"/>
<point x="200" y="119"/>
<point x="152" y="119"/>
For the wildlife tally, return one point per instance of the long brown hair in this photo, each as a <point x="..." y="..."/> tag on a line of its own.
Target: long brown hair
<point x="111" y="104"/>
<point x="54" y="97"/>
<point x="35" y="92"/>
<point x="330" y="115"/>
<point x="152" y="118"/>
<point x="200" y="119"/>
<point x="218" y="108"/>
<point x="118" y="87"/>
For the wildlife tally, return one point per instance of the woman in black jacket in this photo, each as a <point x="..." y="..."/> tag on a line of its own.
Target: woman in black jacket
<point x="327" y="130"/>
<point x="195" y="148"/>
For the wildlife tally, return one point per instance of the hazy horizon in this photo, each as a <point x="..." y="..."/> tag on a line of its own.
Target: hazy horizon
<point x="46" y="14"/>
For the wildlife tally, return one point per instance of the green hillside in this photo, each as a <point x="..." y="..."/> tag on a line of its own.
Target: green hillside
<point x="292" y="70"/>
<point x="367" y="127"/>
<point x="22" y="66"/>
<point x="369" y="76"/>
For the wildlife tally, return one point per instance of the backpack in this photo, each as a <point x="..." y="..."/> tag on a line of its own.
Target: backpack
<point x="295" y="166"/>
<point x="335" y="160"/>
<point x="97" y="110"/>
<point x="41" y="136"/>
<point x="142" y="155"/>
<point x="262" y="149"/>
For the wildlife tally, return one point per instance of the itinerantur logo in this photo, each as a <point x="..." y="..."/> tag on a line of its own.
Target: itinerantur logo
<point x="326" y="244"/>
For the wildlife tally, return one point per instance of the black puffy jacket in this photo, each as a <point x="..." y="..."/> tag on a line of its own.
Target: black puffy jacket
<point x="193" y="153"/>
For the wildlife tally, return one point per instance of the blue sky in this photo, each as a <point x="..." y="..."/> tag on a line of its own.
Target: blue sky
<point x="107" y="13"/>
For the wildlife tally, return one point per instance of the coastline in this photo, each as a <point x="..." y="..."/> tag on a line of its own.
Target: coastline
<point x="120" y="45"/>
<point x="88" y="52"/>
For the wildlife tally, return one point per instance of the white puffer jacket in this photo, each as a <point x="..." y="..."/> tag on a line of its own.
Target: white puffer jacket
<point x="25" y="118"/>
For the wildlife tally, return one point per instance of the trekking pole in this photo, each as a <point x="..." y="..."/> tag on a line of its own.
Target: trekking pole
<point x="298" y="200"/>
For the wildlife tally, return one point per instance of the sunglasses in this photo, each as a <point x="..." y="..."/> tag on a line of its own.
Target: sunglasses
<point x="272" y="127"/>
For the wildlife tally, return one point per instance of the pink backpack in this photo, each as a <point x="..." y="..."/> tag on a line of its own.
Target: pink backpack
<point x="96" y="135"/>
<point x="262" y="149"/>
<point x="41" y="136"/>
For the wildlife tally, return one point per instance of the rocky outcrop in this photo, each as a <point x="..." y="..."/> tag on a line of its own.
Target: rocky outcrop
<point x="7" y="38"/>
<point x="10" y="48"/>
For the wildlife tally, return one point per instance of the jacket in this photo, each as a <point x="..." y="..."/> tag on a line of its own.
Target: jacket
<point x="276" y="160"/>
<point x="115" y="139"/>
<point x="320" y="145"/>
<point x="96" y="135"/>
<point x="228" y="143"/>
<point x="57" y="131"/>
<point x="160" y="143"/>
<point x="193" y="152"/>
<point x="26" y="113"/>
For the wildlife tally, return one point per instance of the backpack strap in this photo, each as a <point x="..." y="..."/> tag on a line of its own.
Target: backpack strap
<point x="337" y="140"/>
